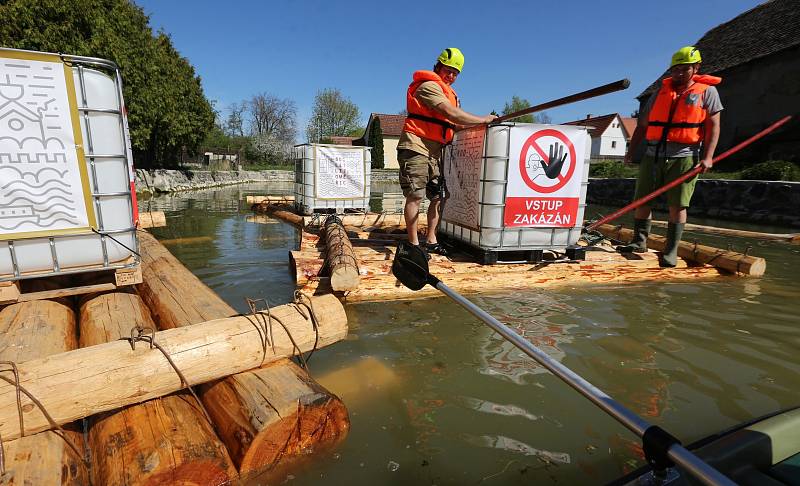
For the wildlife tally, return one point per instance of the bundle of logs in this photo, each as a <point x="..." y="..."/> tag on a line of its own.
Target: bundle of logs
<point x="252" y="408"/>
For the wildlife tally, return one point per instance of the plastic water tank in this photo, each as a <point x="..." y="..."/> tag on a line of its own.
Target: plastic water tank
<point x="507" y="193"/>
<point x="108" y="195"/>
<point x="331" y="177"/>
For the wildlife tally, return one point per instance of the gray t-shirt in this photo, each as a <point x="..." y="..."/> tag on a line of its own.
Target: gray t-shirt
<point x="712" y="105"/>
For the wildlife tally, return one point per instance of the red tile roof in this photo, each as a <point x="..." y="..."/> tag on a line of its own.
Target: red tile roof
<point x="629" y="124"/>
<point x="597" y="125"/>
<point x="391" y="125"/>
<point x="342" y="140"/>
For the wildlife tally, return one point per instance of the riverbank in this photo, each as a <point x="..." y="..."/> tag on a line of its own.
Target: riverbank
<point x="764" y="202"/>
<point x="164" y="181"/>
<point x="760" y="202"/>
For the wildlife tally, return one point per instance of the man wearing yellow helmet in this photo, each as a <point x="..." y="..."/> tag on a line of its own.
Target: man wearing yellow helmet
<point x="680" y="124"/>
<point x="433" y="113"/>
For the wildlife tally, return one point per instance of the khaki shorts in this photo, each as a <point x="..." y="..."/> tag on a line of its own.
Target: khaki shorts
<point x="654" y="175"/>
<point x="416" y="170"/>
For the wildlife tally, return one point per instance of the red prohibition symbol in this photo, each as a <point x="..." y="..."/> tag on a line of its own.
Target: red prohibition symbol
<point x="531" y="142"/>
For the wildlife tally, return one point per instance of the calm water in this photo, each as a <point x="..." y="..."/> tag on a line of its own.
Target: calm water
<point x="435" y="397"/>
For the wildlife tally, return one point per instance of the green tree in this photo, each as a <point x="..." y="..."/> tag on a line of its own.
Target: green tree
<point x="333" y="115"/>
<point x="167" y="109"/>
<point x="375" y="140"/>
<point x="519" y="104"/>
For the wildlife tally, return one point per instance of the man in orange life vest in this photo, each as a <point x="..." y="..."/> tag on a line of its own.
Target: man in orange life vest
<point x="680" y="124"/>
<point x="433" y="113"/>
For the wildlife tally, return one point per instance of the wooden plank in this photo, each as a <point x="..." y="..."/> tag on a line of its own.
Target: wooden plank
<point x="66" y="292"/>
<point x="100" y="378"/>
<point x="128" y="276"/>
<point x="152" y="219"/>
<point x="9" y="292"/>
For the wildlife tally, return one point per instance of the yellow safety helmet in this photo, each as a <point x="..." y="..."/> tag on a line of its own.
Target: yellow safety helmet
<point x="452" y="57"/>
<point x="686" y="55"/>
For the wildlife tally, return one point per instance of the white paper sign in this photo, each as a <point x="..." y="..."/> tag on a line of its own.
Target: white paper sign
<point x="462" y="174"/>
<point x="41" y="187"/>
<point x="340" y="173"/>
<point x="544" y="175"/>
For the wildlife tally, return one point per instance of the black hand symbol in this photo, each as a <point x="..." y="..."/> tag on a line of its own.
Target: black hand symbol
<point x="555" y="161"/>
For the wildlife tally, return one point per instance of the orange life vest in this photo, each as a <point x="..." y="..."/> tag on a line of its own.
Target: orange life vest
<point x="678" y="117"/>
<point x="426" y="122"/>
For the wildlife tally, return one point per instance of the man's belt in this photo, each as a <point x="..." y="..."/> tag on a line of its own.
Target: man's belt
<point x="431" y="119"/>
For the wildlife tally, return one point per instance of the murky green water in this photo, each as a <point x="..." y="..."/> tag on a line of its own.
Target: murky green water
<point x="435" y="397"/>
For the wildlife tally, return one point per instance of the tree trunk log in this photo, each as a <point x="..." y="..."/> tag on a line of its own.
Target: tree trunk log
<point x="32" y="330"/>
<point x="789" y="237"/>
<point x="100" y="378"/>
<point x="729" y="261"/>
<point x="165" y="440"/>
<point x="152" y="219"/>
<point x="241" y="405"/>
<point x="280" y="211"/>
<point x="340" y="261"/>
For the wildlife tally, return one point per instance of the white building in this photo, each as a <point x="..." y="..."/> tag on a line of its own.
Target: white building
<point x="610" y="134"/>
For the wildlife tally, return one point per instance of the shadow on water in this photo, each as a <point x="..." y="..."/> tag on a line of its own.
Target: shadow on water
<point x="435" y="397"/>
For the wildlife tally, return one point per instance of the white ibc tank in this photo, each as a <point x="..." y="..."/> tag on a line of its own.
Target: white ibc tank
<point x="517" y="186"/>
<point x="39" y="246"/>
<point x="331" y="177"/>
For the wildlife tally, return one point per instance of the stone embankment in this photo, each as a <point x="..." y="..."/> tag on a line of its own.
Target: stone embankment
<point x="764" y="202"/>
<point x="162" y="180"/>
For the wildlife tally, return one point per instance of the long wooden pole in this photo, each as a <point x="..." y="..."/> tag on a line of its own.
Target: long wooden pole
<point x="583" y="95"/>
<point x="686" y="176"/>
<point x="714" y="230"/>
<point x="100" y="378"/>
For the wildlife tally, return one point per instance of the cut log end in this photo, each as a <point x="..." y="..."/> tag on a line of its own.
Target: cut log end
<point x="320" y="422"/>
<point x="345" y="279"/>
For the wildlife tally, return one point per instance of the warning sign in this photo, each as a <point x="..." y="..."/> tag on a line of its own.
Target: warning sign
<point x="545" y="172"/>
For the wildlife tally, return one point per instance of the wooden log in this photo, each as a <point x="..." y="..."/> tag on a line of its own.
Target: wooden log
<point x="340" y="260"/>
<point x="164" y="440"/>
<point x="378" y="220"/>
<point x="152" y="219"/>
<point x="790" y="237"/>
<point x="280" y="211"/>
<point x="268" y="199"/>
<point x="730" y="261"/>
<point x="32" y="330"/>
<point x="190" y="240"/>
<point x="83" y="382"/>
<point x="241" y="406"/>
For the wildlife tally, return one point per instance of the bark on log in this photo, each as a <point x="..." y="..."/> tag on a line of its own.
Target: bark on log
<point x="730" y="261"/>
<point x="377" y="220"/>
<point x="165" y="440"/>
<point x="100" y="378"/>
<point x="241" y="406"/>
<point x="32" y="330"/>
<point x="790" y="237"/>
<point x="340" y="260"/>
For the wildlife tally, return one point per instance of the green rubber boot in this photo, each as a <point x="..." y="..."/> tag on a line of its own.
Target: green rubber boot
<point x="641" y="229"/>
<point x="669" y="257"/>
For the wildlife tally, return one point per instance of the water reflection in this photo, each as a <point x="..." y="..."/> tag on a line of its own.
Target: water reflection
<point x="436" y="397"/>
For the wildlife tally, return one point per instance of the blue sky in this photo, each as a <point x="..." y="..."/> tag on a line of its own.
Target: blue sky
<point x="369" y="49"/>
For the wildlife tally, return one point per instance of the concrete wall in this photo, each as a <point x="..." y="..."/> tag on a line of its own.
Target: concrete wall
<point x="762" y="202"/>
<point x="162" y="180"/>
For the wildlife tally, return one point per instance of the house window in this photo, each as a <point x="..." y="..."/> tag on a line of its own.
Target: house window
<point x="613" y="144"/>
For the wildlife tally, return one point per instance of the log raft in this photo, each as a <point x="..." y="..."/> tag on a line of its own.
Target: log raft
<point x="104" y="377"/>
<point x="32" y="330"/>
<point x="260" y="423"/>
<point x="162" y="441"/>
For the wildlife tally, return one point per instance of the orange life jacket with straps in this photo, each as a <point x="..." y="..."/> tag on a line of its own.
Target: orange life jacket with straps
<point x="426" y="122"/>
<point x="679" y="117"/>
